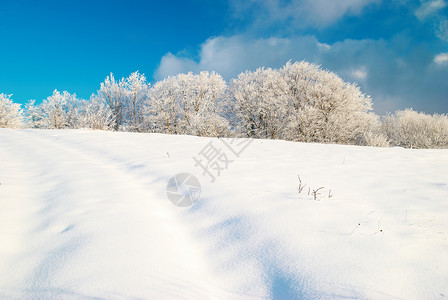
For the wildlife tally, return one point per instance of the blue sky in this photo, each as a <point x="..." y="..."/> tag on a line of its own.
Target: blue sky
<point x="396" y="50"/>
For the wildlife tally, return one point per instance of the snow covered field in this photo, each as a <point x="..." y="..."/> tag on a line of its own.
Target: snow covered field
<point x="85" y="215"/>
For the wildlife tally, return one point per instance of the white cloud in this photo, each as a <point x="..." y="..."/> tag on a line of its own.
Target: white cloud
<point x="442" y="30"/>
<point x="429" y="8"/>
<point x="302" y="13"/>
<point x="441" y="58"/>
<point x="395" y="78"/>
<point x="393" y="83"/>
<point x="230" y="56"/>
<point x="323" y="12"/>
<point x="172" y="65"/>
<point x="360" y="74"/>
<point x="432" y="11"/>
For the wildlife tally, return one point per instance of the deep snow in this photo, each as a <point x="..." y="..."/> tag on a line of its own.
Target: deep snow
<point x="85" y="215"/>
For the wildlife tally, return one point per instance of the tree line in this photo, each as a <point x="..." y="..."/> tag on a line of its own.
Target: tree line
<point x="298" y="102"/>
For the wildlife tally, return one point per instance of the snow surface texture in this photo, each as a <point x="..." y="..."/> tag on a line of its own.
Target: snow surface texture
<point x="84" y="215"/>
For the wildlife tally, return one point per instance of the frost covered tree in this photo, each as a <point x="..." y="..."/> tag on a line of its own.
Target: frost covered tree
<point x="375" y="138"/>
<point x="301" y="102"/>
<point x="189" y="104"/>
<point x="113" y="94"/>
<point x="411" y="129"/>
<point x="61" y="110"/>
<point x="95" y="114"/>
<point x="324" y="108"/>
<point x="162" y="114"/>
<point x="34" y="115"/>
<point x="259" y="103"/>
<point x="125" y="99"/>
<point x="136" y="90"/>
<point x="201" y="98"/>
<point x="10" y="113"/>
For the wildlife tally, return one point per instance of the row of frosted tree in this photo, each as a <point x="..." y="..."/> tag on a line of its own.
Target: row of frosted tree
<point x="299" y="102"/>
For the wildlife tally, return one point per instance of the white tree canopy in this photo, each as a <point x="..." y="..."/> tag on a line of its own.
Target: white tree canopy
<point x="260" y="103"/>
<point x="411" y="129"/>
<point x="61" y="110"/>
<point x="298" y="102"/>
<point x="324" y="108"/>
<point x="125" y="99"/>
<point x="189" y="104"/>
<point x="10" y="113"/>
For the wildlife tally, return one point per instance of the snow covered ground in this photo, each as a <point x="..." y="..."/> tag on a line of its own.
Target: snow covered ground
<point x="85" y="215"/>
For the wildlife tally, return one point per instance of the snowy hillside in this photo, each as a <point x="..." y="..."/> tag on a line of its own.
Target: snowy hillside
<point x="85" y="215"/>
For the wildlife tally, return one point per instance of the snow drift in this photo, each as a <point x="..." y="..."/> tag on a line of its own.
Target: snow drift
<point x="84" y="215"/>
